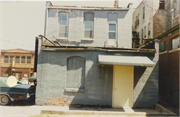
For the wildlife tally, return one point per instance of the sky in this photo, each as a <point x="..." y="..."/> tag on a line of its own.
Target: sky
<point x="22" y="21"/>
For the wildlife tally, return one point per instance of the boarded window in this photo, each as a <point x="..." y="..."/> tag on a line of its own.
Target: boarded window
<point x="75" y="73"/>
<point x="23" y="59"/>
<point x="175" y="43"/>
<point x="6" y="58"/>
<point x="63" y="25"/>
<point x="29" y="59"/>
<point x="163" y="46"/>
<point x="11" y="59"/>
<point x="88" y="24"/>
<point x="17" y="59"/>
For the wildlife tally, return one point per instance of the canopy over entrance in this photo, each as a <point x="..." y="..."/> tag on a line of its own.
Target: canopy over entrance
<point x="125" y="60"/>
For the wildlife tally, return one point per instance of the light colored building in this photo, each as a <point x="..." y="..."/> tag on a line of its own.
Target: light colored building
<point x="154" y="17"/>
<point x="86" y="57"/>
<point x="17" y="62"/>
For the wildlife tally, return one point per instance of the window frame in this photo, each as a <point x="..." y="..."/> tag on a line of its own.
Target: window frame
<point x="63" y="25"/>
<point x="17" y="59"/>
<point x="24" y="59"/>
<point x="164" y="49"/>
<point x="172" y="43"/>
<point x="6" y="59"/>
<point x="89" y="29"/>
<point x="112" y="31"/>
<point x="27" y="60"/>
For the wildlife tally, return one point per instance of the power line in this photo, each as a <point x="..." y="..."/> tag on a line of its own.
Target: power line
<point x="16" y="43"/>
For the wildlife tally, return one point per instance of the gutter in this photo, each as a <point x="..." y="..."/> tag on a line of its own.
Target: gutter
<point x="89" y="8"/>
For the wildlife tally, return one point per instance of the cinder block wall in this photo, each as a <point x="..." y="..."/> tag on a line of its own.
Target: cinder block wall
<point x="52" y="75"/>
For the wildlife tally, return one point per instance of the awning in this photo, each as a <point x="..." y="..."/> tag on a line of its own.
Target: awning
<point x="125" y="60"/>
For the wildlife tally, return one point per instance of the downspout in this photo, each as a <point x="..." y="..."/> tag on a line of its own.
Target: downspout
<point x="45" y="18"/>
<point x="172" y="11"/>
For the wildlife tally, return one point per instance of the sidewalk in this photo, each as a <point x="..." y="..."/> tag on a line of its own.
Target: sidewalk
<point x="66" y="111"/>
<point x="159" y="111"/>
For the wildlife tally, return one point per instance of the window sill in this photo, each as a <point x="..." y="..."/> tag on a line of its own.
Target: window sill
<point x="63" y="39"/>
<point x="87" y="39"/>
<point x="174" y="50"/>
<point x="162" y="52"/>
<point x="74" y="90"/>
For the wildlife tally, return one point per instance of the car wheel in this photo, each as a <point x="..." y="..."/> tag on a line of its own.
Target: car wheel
<point x="4" y="100"/>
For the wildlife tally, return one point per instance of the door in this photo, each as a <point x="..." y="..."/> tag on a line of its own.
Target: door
<point x="122" y="86"/>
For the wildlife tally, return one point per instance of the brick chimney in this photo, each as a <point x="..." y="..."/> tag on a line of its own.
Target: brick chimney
<point x="116" y="4"/>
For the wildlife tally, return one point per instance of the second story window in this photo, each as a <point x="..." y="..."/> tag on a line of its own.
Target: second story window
<point x="11" y="59"/>
<point x="175" y="43"/>
<point x="6" y="59"/>
<point x="17" y="59"/>
<point x="163" y="46"/>
<point x="112" y="30"/>
<point x="88" y="24"/>
<point x="143" y="12"/>
<point x="63" y="25"/>
<point x="29" y="59"/>
<point x="23" y="59"/>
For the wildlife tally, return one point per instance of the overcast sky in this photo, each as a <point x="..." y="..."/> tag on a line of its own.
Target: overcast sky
<point x="22" y="21"/>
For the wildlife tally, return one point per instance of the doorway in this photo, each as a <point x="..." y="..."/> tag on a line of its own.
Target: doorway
<point x="122" y="94"/>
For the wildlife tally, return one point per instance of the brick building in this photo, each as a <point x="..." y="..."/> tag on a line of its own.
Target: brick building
<point x="169" y="66"/>
<point x="17" y="62"/>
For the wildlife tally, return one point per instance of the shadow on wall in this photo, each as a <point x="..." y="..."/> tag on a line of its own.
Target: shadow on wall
<point x="97" y="90"/>
<point x="145" y="86"/>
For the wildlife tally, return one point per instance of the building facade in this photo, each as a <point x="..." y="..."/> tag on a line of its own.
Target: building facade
<point x="159" y="19"/>
<point x="169" y="67"/>
<point x="86" y="57"/>
<point x="17" y="62"/>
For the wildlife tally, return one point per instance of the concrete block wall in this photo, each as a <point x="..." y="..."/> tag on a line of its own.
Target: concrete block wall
<point x="146" y="83"/>
<point x="52" y="75"/>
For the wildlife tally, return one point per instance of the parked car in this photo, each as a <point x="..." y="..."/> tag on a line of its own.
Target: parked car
<point x="18" y="92"/>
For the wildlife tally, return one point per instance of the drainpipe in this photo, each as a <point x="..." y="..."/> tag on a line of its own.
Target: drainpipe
<point x="45" y="18"/>
<point x="172" y="12"/>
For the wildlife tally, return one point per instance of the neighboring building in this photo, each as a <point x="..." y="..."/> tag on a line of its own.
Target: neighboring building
<point x="159" y="19"/>
<point x="154" y="17"/>
<point x="86" y="57"/>
<point x="169" y="46"/>
<point x="169" y="67"/>
<point x="17" y="62"/>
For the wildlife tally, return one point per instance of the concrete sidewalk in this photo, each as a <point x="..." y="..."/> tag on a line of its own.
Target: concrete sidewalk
<point x="158" y="111"/>
<point x="66" y="111"/>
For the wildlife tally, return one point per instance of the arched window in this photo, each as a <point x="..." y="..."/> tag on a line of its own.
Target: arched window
<point x="75" y="73"/>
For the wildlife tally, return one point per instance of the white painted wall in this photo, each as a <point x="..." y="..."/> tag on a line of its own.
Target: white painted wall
<point x="76" y="27"/>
